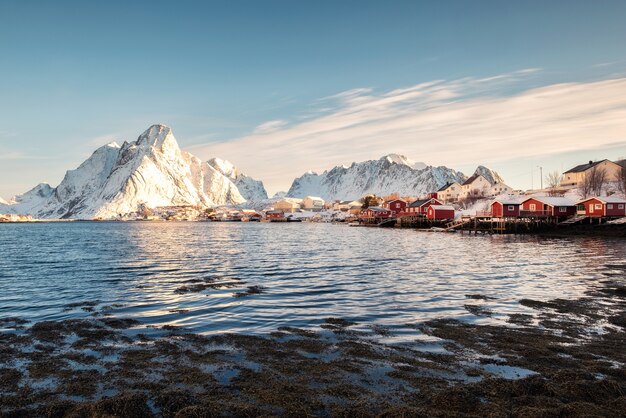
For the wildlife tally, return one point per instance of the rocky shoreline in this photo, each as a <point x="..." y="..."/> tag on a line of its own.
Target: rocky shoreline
<point x="566" y="360"/>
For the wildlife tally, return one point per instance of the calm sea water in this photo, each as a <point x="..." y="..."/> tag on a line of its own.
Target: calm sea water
<point x="309" y="271"/>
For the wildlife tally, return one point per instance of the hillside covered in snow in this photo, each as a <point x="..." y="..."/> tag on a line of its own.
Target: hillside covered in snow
<point x="151" y="171"/>
<point x="389" y="174"/>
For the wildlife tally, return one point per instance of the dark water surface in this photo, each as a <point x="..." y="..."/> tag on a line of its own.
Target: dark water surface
<point x="309" y="272"/>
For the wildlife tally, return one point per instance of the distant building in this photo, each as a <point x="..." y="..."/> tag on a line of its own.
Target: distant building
<point x="274" y="214"/>
<point x="420" y="207"/>
<point x="449" y="192"/>
<point x="375" y="213"/>
<point x="313" y="203"/>
<point x="575" y="176"/>
<point x="396" y="206"/>
<point x="287" y="206"/>
<point x="346" y="205"/>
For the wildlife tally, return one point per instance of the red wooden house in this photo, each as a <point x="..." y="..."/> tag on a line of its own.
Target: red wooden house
<point x="375" y="212"/>
<point x="505" y="208"/>
<point x="548" y="206"/>
<point x="440" y="212"/>
<point x="275" y="214"/>
<point x="396" y="206"/>
<point x="420" y="207"/>
<point x="602" y="206"/>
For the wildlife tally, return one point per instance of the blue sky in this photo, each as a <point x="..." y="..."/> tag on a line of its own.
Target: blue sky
<point x="75" y="75"/>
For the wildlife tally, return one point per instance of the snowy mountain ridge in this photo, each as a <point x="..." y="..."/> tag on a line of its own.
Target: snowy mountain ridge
<point x="152" y="171"/>
<point x="249" y="188"/>
<point x="390" y="174"/>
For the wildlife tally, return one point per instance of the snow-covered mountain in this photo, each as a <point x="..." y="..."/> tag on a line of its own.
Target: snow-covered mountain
<point x="116" y="180"/>
<point x="249" y="188"/>
<point x="3" y="202"/>
<point x="389" y="174"/>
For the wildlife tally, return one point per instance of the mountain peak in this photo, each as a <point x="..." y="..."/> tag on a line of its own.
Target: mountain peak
<point x="160" y="137"/>
<point x="403" y="160"/>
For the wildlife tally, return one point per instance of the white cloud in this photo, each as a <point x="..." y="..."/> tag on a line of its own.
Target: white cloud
<point x="458" y="122"/>
<point x="271" y="126"/>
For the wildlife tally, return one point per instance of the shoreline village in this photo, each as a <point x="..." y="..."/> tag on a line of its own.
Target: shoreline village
<point x="580" y="200"/>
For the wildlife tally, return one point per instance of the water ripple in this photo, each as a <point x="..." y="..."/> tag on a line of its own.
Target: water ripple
<point x="308" y="271"/>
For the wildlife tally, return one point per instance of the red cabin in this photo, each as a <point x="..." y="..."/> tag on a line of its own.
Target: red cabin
<point x="505" y="209"/>
<point x="396" y="206"/>
<point x="375" y="212"/>
<point x="420" y="207"/>
<point x="548" y="206"/>
<point x="602" y="206"/>
<point x="275" y="214"/>
<point x="440" y="212"/>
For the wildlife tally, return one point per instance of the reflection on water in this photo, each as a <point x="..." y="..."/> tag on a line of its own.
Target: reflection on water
<point x="309" y="272"/>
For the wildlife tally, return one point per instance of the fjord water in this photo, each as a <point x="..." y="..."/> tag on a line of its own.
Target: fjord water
<point x="309" y="272"/>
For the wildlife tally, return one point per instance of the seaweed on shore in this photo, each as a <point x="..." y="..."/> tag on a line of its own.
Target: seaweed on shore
<point x="95" y="368"/>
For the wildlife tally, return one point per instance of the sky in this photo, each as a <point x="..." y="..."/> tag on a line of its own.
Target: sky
<point x="282" y="87"/>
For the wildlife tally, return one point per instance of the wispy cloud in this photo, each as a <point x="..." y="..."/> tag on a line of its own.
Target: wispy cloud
<point x="455" y="122"/>
<point x="269" y="127"/>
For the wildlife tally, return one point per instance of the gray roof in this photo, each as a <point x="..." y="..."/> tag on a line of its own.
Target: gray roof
<point x="584" y="167"/>
<point x="419" y="203"/>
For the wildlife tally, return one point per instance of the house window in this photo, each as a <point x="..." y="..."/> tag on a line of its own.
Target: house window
<point x="562" y="209"/>
<point x="532" y="206"/>
<point x="609" y="206"/>
<point x="620" y="206"/>
<point x="510" y="208"/>
<point x="598" y="206"/>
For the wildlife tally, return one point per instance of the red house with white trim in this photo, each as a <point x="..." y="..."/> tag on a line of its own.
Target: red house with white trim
<point x="505" y="208"/>
<point x="440" y="212"/>
<point x="396" y="206"/>
<point x="602" y="206"/>
<point x="548" y="206"/>
<point x="420" y="207"/>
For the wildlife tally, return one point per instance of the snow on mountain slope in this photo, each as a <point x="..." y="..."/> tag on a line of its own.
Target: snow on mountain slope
<point x="31" y="200"/>
<point x="389" y="174"/>
<point x="249" y="188"/>
<point x="3" y="202"/>
<point x="116" y="180"/>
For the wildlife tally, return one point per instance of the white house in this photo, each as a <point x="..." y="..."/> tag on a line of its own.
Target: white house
<point x="575" y="176"/>
<point x="450" y="192"/>
<point x="475" y="186"/>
